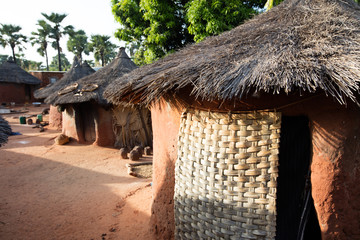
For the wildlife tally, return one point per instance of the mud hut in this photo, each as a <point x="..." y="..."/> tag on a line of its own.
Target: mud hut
<point x="16" y="85"/>
<point x="50" y="92"/>
<point x="5" y="131"/>
<point x="256" y="130"/>
<point x="88" y="116"/>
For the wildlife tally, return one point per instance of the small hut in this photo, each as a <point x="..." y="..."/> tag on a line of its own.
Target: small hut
<point x="50" y="92"/>
<point x="5" y="131"/>
<point x="47" y="77"/>
<point x="16" y="85"/>
<point x="256" y="130"/>
<point x="88" y="117"/>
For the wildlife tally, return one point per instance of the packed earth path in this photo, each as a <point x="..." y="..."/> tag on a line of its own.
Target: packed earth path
<point x="71" y="191"/>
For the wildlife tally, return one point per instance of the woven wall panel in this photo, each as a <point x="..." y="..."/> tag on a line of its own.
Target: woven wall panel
<point x="225" y="177"/>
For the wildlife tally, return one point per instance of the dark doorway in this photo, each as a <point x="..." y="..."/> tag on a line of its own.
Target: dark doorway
<point x="86" y="121"/>
<point x="296" y="216"/>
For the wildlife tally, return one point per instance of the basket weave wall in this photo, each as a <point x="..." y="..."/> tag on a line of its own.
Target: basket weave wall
<point x="225" y="176"/>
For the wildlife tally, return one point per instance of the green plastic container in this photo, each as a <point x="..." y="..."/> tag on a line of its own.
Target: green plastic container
<point x="22" y="120"/>
<point x="39" y="116"/>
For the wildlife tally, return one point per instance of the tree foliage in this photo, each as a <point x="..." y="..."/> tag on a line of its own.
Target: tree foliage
<point x="57" y="31"/>
<point x="102" y="48"/>
<point x="154" y="28"/>
<point x="212" y="17"/>
<point x="55" y="63"/>
<point x="40" y="37"/>
<point x="9" y="35"/>
<point x="78" y="44"/>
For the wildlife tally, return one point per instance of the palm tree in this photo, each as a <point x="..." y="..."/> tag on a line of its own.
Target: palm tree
<point x="41" y="37"/>
<point x="78" y="44"/>
<point x="10" y="36"/>
<point x="102" y="48"/>
<point x="57" y="31"/>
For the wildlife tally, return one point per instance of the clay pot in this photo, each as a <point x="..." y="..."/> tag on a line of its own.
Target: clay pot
<point x="134" y="155"/>
<point x="123" y="153"/>
<point x="140" y="149"/>
<point x="147" y="151"/>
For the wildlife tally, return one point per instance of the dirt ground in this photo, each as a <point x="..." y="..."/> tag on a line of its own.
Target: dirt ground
<point x="72" y="191"/>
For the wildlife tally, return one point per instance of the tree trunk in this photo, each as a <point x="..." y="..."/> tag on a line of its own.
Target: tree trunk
<point x="47" y="60"/>
<point x="13" y="52"/>
<point x="102" y="60"/>
<point x="59" y="52"/>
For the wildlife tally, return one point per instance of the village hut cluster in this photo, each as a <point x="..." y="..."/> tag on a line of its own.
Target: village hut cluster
<point x="16" y="85"/>
<point x="87" y="116"/>
<point x="255" y="131"/>
<point x="51" y="91"/>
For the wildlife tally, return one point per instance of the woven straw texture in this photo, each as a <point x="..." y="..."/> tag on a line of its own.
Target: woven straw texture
<point x="225" y="177"/>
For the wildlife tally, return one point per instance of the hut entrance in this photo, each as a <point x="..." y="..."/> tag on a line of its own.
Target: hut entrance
<point x="87" y="123"/>
<point x="296" y="216"/>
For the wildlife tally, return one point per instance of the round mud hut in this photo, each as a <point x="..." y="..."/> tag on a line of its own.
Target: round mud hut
<point x="255" y="131"/>
<point x="16" y="85"/>
<point x="88" y="117"/>
<point x="50" y="92"/>
<point x="5" y="131"/>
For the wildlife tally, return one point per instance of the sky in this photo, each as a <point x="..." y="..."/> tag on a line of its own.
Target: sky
<point x="92" y="16"/>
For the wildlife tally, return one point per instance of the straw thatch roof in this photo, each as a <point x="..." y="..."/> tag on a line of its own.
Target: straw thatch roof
<point x="5" y="131"/>
<point x="300" y="45"/>
<point x="10" y="72"/>
<point x="76" y="72"/>
<point x="92" y="87"/>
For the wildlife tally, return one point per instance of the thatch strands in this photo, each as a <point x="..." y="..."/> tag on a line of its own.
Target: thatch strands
<point x="10" y="72"/>
<point x="92" y="87"/>
<point x="300" y="45"/>
<point x="76" y="72"/>
<point x="5" y="131"/>
<point x="128" y="128"/>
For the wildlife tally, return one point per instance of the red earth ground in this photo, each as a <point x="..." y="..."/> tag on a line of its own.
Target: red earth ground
<point x="72" y="191"/>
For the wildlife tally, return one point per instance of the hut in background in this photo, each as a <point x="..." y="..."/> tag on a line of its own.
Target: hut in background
<point x="269" y="125"/>
<point x="16" y="85"/>
<point x="47" y="77"/>
<point x="88" y="117"/>
<point x="49" y="92"/>
<point x="5" y="131"/>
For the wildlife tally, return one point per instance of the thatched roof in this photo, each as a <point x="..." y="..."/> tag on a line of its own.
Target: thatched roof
<point x="5" y="131"/>
<point x="92" y="87"/>
<point x="76" y="72"/>
<point x="300" y="45"/>
<point x="10" y="72"/>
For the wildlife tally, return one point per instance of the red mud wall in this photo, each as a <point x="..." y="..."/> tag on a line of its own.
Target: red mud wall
<point x="336" y="170"/>
<point x="11" y="92"/>
<point x="69" y="124"/>
<point x="335" y="167"/>
<point x="55" y="118"/>
<point x="45" y="76"/>
<point x="165" y="124"/>
<point x="104" y="128"/>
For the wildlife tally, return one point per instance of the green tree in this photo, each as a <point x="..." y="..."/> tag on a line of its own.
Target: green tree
<point x="154" y="28"/>
<point x="3" y="58"/>
<point x="102" y="48"/>
<point x="40" y="37"/>
<point x="10" y="36"/>
<point x="58" y="31"/>
<point x="212" y="17"/>
<point x="28" y="65"/>
<point x="55" y="63"/>
<point x="78" y="44"/>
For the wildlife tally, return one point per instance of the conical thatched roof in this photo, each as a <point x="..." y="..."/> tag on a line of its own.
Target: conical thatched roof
<point x="76" y="72"/>
<point x="10" y="72"/>
<point x="300" y="45"/>
<point x="5" y="131"/>
<point x="92" y="87"/>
